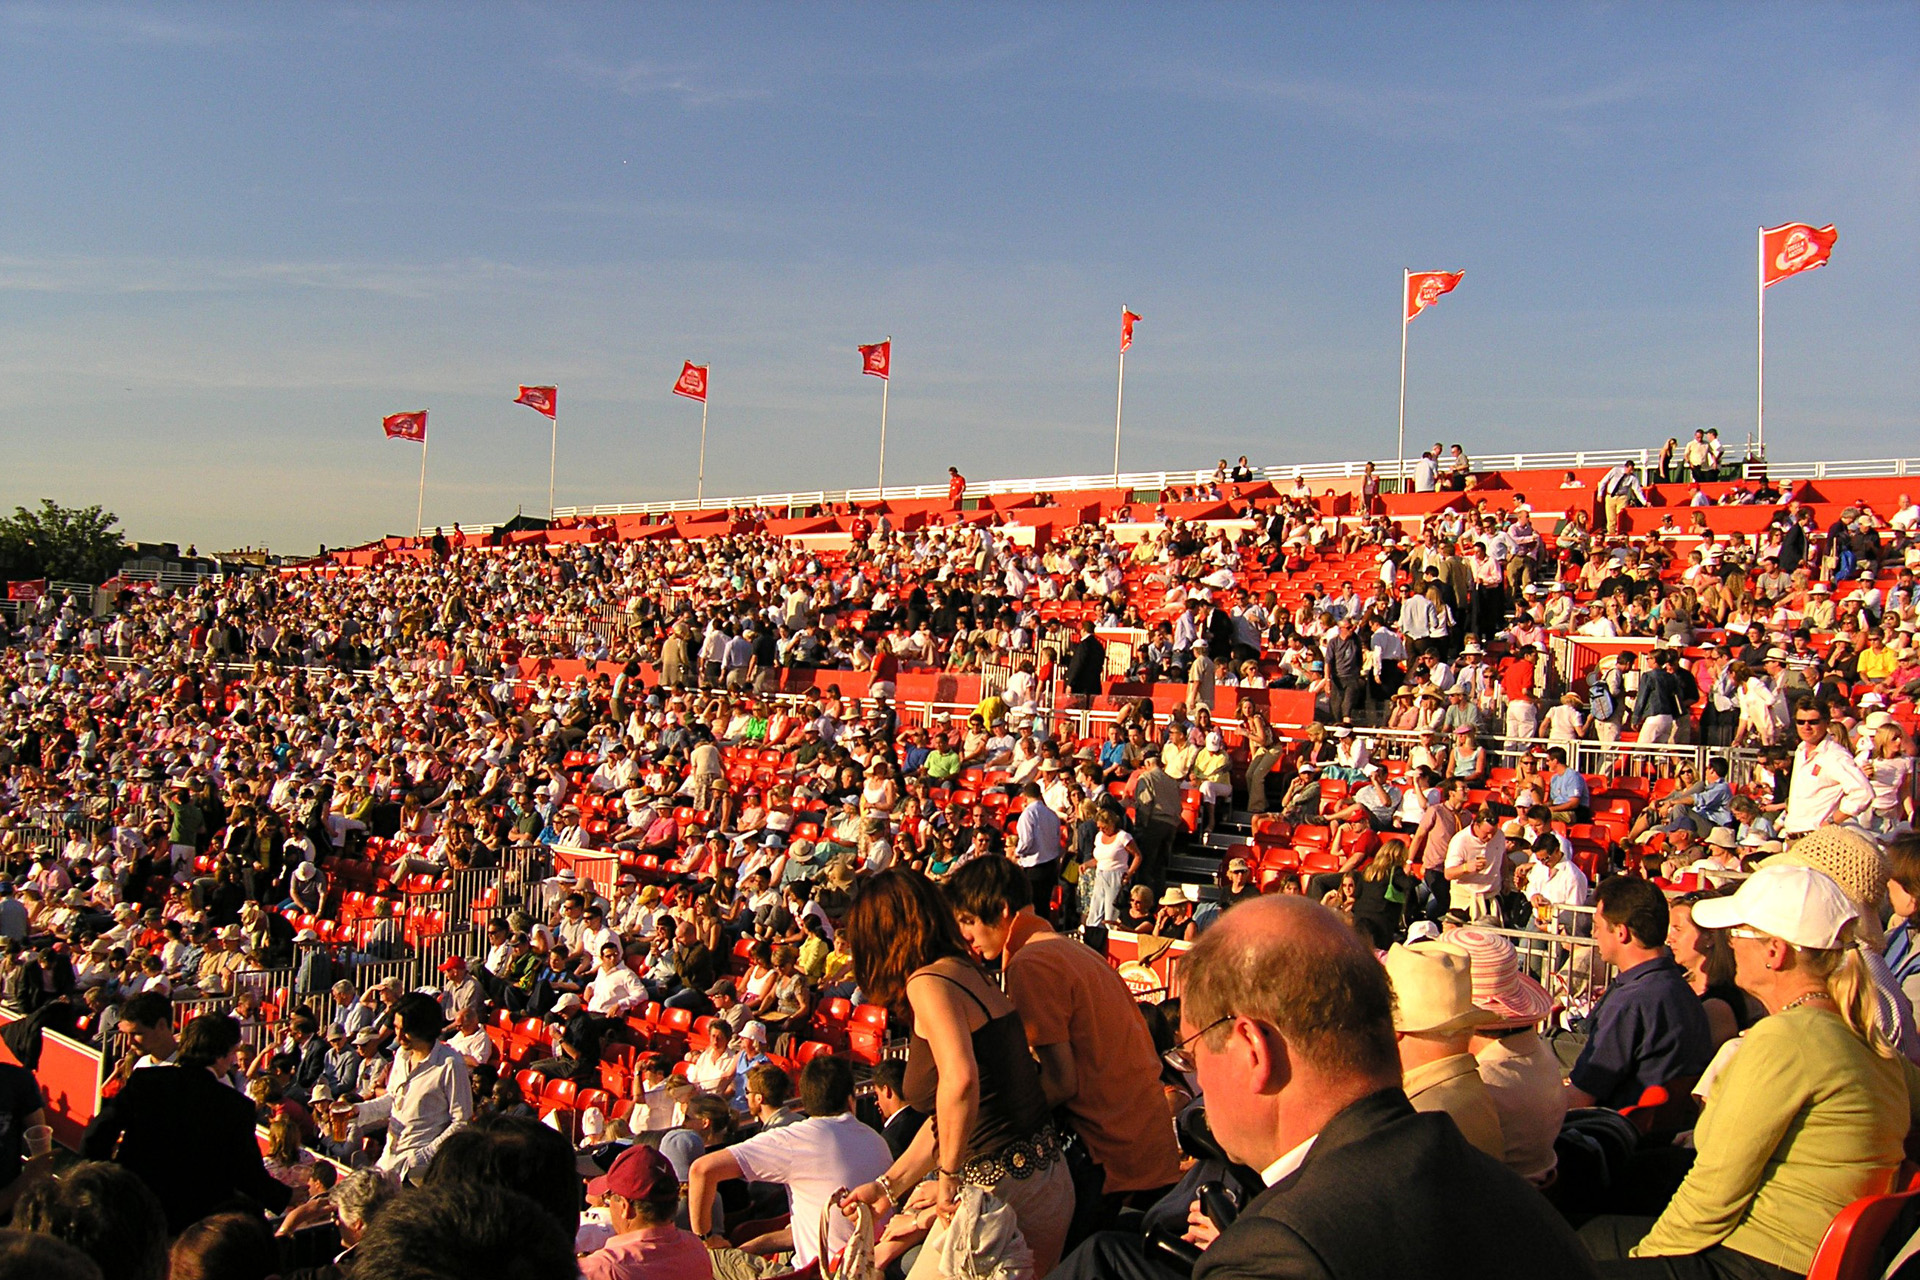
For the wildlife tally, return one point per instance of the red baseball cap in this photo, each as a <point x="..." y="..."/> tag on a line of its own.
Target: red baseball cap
<point x="452" y="963"/>
<point x="635" y="1175"/>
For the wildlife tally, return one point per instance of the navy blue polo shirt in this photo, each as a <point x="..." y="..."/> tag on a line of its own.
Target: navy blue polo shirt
<point x="1649" y="1028"/>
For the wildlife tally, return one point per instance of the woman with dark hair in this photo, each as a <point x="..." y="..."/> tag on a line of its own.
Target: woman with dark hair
<point x="968" y="1066"/>
<point x="184" y="1132"/>
<point x="428" y="1093"/>
<point x="1707" y="957"/>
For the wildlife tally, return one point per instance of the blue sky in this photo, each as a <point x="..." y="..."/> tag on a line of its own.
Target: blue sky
<point x="232" y="236"/>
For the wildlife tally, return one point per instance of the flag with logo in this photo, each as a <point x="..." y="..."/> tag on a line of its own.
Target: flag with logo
<point x="1792" y="248"/>
<point x="876" y="359"/>
<point x="692" y="382"/>
<point x="544" y="400"/>
<point x="1425" y="287"/>
<point x="406" y="426"/>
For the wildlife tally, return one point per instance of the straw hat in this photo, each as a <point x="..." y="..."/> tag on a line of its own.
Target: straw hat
<point x="1854" y="862"/>
<point x="1498" y="984"/>
<point x="1433" y="990"/>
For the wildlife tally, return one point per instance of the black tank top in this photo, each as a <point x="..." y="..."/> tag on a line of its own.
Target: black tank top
<point x="1012" y="1104"/>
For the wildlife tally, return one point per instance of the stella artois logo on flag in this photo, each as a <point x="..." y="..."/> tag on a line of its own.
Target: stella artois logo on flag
<point x="1788" y="250"/>
<point x="876" y="359"/>
<point x="406" y="426"/>
<point x="1425" y="287"/>
<point x="1127" y="321"/>
<point x="29" y="590"/>
<point x="693" y="382"/>
<point x="540" y="399"/>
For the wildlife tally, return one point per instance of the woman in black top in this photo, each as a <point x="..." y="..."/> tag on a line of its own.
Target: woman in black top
<point x="968" y="1066"/>
<point x="1707" y="956"/>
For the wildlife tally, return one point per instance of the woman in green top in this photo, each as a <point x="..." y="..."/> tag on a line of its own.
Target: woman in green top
<point x="1809" y="1112"/>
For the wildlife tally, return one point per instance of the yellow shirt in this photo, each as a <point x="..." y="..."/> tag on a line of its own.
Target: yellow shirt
<point x="1802" y="1122"/>
<point x="1212" y="766"/>
<point x="1876" y="666"/>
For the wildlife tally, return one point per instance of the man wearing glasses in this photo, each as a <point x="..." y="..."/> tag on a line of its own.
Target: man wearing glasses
<point x="1828" y="784"/>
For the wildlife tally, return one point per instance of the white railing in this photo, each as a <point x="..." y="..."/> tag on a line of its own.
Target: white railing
<point x="1852" y="469"/>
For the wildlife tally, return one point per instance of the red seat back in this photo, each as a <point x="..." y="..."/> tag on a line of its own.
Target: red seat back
<point x="1850" y="1249"/>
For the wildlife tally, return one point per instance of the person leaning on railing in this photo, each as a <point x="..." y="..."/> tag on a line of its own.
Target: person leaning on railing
<point x="1809" y="1114"/>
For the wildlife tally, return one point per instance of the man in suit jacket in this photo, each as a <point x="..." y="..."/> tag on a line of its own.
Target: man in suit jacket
<point x="1288" y="1018"/>
<point x="186" y="1133"/>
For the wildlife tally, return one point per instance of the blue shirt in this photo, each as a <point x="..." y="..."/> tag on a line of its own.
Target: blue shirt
<point x="1113" y="755"/>
<point x="1039" y="835"/>
<point x="1568" y="784"/>
<point x="1714" y="802"/>
<point x="1649" y="1028"/>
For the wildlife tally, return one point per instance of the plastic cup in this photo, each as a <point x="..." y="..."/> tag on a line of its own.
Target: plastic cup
<point x="39" y="1139"/>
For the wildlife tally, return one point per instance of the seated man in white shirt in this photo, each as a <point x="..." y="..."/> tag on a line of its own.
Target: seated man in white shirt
<point x="470" y="1040"/>
<point x="615" y="988"/>
<point x="825" y="1153"/>
<point x="1553" y="882"/>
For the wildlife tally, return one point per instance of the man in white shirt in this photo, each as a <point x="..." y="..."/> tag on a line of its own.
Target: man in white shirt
<point x="615" y="987"/>
<point x="1475" y="858"/>
<point x="1552" y="882"/>
<point x="825" y="1153"/>
<point x="1828" y="784"/>
<point x="471" y="1041"/>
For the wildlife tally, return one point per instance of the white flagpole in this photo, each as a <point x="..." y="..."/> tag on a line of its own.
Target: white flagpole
<point x="1400" y="450"/>
<point x="700" y="483"/>
<point x="420" y="504"/>
<point x="1760" y="361"/>
<point x="886" y="384"/>
<point x="553" y="457"/>
<point x="1119" y="401"/>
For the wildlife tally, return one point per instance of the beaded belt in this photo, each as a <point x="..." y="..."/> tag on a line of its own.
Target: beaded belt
<point x="1019" y="1159"/>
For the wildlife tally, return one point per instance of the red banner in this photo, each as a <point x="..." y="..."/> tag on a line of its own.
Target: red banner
<point x="692" y="382"/>
<point x="1425" y="287"/>
<point x="406" y="426"/>
<point x="544" y="400"/>
<point x="1795" y="247"/>
<point x="876" y="359"/>
<point x="1127" y="321"/>
<point x="29" y="591"/>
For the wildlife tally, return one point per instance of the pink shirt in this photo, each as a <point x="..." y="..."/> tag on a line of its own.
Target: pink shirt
<point x="652" y="1253"/>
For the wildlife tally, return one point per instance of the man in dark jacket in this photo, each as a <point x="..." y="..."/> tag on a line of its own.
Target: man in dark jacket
<point x="1087" y="664"/>
<point x="1289" y="1020"/>
<point x="186" y="1133"/>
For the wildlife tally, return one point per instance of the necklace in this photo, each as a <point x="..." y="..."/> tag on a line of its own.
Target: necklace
<point x="1797" y="1001"/>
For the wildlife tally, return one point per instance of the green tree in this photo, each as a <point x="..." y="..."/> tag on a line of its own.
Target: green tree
<point x="67" y="544"/>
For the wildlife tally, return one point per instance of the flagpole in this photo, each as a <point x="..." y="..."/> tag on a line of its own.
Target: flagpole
<point x="1400" y="449"/>
<point x="1760" y="361"/>
<point x="1119" y="401"/>
<point x="553" y="457"/>
<point x="886" y="384"/>
<point x="420" y="503"/>
<point x="700" y="483"/>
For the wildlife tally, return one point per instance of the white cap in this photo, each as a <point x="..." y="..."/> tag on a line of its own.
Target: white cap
<point x="1795" y="904"/>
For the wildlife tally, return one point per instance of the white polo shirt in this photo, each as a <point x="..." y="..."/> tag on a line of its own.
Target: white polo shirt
<point x="1827" y="780"/>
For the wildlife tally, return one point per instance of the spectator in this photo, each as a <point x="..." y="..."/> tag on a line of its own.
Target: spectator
<point x="517" y="1154"/>
<point x="906" y="944"/>
<point x="900" y="1122"/>
<point x="1521" y="1074"/>
<point x="106" y="1212"/>
<point x="428" y="1095"/>
<point x="226" y="1246"/>
<point x="814" y="1159"/>
<point x="1649" y="1028"/>
<point x="1807" y="1117"/>
<point x="184" y="1133"/>
<point x="1434" y="1018"/>
<point x="27" y="1255"/>
<point x="463" y="1230"/>
<point x="1097" y="1062"/>
<point x="1290" y="1022"/>
<point x="1828" y="784"/>
<point x="642" y="1194"/>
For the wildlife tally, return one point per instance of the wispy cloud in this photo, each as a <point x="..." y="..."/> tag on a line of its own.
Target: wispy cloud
<point x="692" y="85"/>
<point x="118" y="24"/>
<point x="108" y="276"/>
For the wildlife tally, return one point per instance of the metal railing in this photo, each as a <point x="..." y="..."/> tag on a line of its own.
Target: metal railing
<point x="1156" y="481"/>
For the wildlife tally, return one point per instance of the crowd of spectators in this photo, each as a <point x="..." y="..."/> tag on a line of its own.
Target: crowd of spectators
<point x="226" y="805"/>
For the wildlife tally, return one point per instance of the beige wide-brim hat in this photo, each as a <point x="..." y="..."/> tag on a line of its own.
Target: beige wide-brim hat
<point x="1855" y="862"/>
<point x="1433" y="990"/>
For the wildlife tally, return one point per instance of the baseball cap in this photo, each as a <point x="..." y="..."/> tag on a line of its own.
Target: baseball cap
<point x="453" y="964"/>
<point x="635" y="1174"/>
<point x="1795" y="904"/>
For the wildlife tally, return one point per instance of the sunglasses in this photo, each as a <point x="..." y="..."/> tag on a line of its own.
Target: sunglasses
<point x="1805" y="723"/>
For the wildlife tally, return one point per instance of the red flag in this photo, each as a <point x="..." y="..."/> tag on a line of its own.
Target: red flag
<point x="540" y="399"/>
<point x="1425" y="287"/>
<point x="1127" y="321"/>
<point x="876" y="359"/>
<point x="693" y="382"/>
<point x="1795" y="247"/>
<point x="406" y="426"/>
<point x="29" y="590"/>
